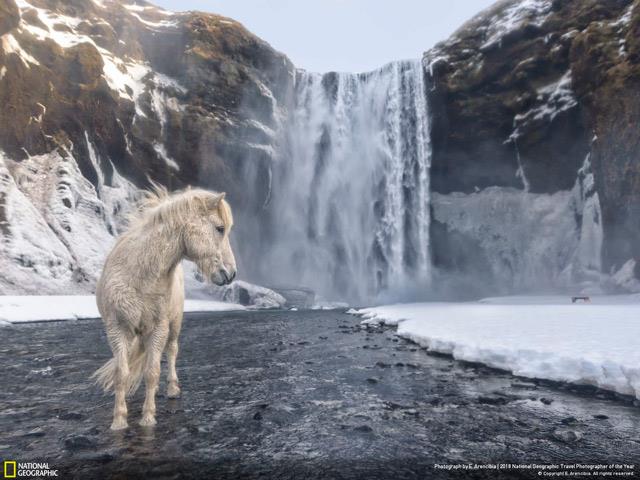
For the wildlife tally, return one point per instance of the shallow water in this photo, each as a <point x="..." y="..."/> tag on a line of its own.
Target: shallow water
<point x="290" y="395"/>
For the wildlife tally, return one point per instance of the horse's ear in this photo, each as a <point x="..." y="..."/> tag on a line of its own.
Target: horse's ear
<point x="214" y="200"/>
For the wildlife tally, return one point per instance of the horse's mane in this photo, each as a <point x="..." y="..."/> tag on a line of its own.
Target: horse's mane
<point x="158" y="205"/>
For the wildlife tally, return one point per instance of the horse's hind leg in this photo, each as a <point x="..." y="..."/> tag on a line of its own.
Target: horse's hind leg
<point x="120" y="348"/>
<point x="154" y="346"/>
<point x="173" y="388"/>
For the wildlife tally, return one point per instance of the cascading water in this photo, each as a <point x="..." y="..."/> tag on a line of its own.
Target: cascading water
<point x="350" y="211"/>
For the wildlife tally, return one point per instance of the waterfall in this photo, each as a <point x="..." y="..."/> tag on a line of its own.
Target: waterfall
<point x="350" y="213"/>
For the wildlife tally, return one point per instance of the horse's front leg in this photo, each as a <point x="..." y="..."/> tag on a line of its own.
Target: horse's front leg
<point x="154" y="346"/>
<point x="173" y="387"/>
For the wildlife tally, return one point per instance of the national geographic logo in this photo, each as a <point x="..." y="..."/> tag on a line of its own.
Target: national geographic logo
<point x="13" y="469"/>
<point x="10" y="469"/>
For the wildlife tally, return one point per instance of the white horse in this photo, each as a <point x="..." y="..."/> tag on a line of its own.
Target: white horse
<point x="140" y="293"/>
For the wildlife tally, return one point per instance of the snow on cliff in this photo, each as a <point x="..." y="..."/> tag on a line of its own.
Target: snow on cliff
<point x="514" y="17"/>
<point x="56" y="228"/>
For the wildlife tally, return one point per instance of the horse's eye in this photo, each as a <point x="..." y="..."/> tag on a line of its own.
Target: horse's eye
<point x="220" y="230"/>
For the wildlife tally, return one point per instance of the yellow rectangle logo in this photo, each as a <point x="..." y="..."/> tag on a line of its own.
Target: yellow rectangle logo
<point x="10" y="469"/>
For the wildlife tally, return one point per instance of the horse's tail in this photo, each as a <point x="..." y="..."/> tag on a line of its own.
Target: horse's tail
<point x="105" y="375"/>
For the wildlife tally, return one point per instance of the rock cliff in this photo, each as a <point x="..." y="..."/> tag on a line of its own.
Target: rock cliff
<point x="523" y="93"/>
<point x="97" y="98"/>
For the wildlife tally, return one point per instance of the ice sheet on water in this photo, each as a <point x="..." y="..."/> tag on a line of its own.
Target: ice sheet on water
<point x="539" y="337"/>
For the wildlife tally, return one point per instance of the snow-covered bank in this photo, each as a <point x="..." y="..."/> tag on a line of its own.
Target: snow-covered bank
<point x="563" y="300"/>
<point x="34" y="308"/>
<point x="592" y="343"/>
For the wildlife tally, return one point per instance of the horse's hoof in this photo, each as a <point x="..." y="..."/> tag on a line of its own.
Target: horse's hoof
<point x="173" y="391"/>
<point x="148" y="421"/>
<point x="119" y="424"/>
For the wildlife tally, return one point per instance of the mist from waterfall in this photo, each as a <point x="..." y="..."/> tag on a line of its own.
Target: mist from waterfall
<point x="350" y="207"/>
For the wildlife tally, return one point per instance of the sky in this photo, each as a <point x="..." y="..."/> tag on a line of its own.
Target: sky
<point x="343" y="35"/>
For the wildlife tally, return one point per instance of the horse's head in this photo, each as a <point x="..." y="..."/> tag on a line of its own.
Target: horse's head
<point x="206" y="239"/>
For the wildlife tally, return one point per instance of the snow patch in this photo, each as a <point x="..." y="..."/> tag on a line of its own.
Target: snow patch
<point x="117" y="196"/>
<point x="434" y="61"/>
<point x="59" y="28"/>
<point x="552" y="99"/>
<point x="145" y="8"/>
<point x="625" y="18"/>
<point x="35" y="308"/>
<point x="28" y="245"/>
<point x="622" y="24"/>
<point x="262" y="127"/>
<point x="592" y="344"/>
<point x="162" y="153"/>
<point x="125" y="77"/>
<point x="160" y="24"/>
<point x="533" y="12"/>
<point x="166" y="82"/>
<point x="11" y="46"/>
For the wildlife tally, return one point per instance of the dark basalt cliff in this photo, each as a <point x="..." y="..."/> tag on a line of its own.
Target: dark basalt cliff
<point x="525" y="90"/>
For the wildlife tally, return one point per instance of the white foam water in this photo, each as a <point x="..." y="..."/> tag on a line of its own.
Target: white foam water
<point x="351" y="190"/>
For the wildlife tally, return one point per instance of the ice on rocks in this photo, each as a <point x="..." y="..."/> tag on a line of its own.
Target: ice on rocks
<point x="238" y="292"/>
<point x="625" y="279"/>
<point x="540" y="241"/>
<point x="248" y="294"/>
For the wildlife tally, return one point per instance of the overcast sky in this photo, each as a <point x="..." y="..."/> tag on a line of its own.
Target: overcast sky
<point x="343" y="35"/>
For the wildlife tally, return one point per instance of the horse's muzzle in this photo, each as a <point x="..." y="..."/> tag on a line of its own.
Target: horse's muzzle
<point x="224" y="277"/>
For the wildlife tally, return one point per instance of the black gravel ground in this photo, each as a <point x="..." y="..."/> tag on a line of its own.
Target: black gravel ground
<point x="293" y="395"/>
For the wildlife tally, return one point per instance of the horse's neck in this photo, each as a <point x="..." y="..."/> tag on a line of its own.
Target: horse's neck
<point x="161" y="251"/>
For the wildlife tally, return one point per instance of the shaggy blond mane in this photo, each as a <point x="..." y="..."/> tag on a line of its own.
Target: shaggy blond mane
<point x="158" y="205"/>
